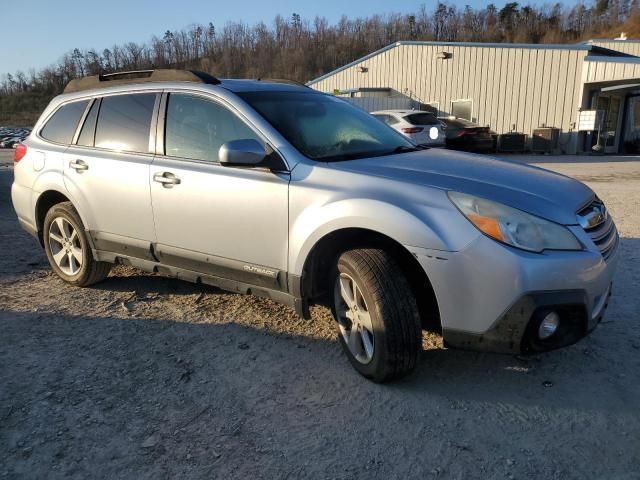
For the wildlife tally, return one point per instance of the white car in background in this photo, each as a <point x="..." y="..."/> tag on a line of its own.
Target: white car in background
<point x="423" y="128"/>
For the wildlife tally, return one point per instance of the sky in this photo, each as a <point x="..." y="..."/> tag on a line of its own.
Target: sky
<point x="36" y="33"/>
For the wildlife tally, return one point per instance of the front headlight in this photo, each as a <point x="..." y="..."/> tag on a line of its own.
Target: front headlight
<point x="514" y="227"/>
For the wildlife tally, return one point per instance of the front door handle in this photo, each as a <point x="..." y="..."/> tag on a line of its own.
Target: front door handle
<point x="167" y="179"/>
<point x="78" y="165"/>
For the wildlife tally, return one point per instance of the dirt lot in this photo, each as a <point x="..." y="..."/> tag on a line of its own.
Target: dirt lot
<point x="147" y="377"/>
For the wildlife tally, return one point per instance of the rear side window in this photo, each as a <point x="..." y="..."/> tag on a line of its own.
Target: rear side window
<point x="88" y="132"/>
<point x="388" y="119"/>
<point x="422" y="119"/>
<point x="196" y="128"/>
<point x="124" y="122"/>
<point x="62" y="125"/>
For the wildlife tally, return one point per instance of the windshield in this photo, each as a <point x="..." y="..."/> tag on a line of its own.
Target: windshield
<point x="326" y="128"/>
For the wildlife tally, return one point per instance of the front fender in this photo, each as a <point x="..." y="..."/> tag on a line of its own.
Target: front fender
<point x="424" y="227"/>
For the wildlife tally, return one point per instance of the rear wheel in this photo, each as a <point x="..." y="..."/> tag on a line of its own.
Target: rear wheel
<point x="67" y="247"/>
<point x="377" y="315"/>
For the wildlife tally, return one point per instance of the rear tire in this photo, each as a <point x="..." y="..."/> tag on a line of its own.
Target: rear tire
<point x="378" y="320"/>
<point x="68" y="249"/>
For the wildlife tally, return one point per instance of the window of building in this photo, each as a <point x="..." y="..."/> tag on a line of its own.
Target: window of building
<point x="462" y="109"/>
<point x="196" y="128"/>
<point x="124" y="122"/>
<point x="636" y="115"/>
<point x="62" y="125"/>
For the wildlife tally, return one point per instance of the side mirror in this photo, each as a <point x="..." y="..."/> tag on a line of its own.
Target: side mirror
<point x="242" y="153"/>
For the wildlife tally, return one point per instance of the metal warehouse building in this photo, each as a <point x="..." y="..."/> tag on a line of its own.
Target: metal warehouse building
<point x="583" y="95"/>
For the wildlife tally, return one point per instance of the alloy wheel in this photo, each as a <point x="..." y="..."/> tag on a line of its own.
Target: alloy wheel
<point x="354" y="319"/>
<point x="65" y="246"/>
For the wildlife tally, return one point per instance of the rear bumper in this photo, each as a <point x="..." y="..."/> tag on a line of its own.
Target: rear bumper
<point x="33" y="231"/>
<point x="21" y="198"/>
<point x="492" y="297"/>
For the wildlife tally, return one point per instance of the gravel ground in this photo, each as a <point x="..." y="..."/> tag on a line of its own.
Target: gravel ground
<point x="148" y="377"/>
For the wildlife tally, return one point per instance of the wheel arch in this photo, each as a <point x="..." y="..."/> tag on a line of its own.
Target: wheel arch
<point x="46" y="200"/>
<point x="323" y="256"/>
<point x="416" y="228"/>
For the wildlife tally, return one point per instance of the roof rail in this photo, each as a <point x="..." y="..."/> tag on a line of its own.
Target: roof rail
<point x="139" y="76"/>
<point x="282" y="80"/>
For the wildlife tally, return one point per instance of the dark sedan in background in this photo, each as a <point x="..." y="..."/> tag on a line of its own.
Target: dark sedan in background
<point x="464" y="135"/>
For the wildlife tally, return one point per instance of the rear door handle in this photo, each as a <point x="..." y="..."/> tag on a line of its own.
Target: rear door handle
<point x="167" y="179"/>
<point x="78" y="165"/>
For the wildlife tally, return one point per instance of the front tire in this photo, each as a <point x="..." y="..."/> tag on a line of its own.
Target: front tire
<point x="377" y="315"/>
<point x="67" y="247"/>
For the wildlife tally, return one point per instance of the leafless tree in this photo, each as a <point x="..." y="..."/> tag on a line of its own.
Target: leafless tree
<point x="300" y="49"/>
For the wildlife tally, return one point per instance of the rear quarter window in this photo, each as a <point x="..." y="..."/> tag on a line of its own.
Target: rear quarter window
<point x="388" y="119"/>
<point x="62" y="125"/>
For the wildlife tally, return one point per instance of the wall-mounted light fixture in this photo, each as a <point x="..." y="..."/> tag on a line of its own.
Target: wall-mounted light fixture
<point x="443" y="55"/>
<point x="363" y="69"/>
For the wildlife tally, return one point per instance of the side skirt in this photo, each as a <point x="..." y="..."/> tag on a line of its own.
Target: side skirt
<point x="293" y="301"/>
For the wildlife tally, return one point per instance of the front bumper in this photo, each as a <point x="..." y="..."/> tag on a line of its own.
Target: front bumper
<point x="517" y="330"/>
<point x="492" y="297"/>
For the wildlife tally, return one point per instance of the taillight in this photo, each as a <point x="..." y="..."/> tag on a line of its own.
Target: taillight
<point x="412" y="130"/>
<point x="467" y="131"/>
<point x="19" y="152"/>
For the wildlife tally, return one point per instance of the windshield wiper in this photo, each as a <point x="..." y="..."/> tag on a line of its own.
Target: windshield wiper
<point x="355" y="156"/>
<point x="339" y="158"/>
<point x="402" y="149"/>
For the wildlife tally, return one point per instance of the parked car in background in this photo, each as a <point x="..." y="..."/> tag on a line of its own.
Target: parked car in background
<point x="11" y="136"/>
<point x="10" y="142"/>
<point x="423" y="128"/>
<point x="462" y="134"/>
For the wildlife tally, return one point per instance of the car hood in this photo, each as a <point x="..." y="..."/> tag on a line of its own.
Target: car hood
<point x="534" y="190"/>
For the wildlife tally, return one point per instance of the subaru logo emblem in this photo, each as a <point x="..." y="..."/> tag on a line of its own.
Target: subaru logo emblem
<point x="596" y="215"/>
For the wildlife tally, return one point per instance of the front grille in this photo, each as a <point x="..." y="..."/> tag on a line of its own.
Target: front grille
<point x="597" y="222"/>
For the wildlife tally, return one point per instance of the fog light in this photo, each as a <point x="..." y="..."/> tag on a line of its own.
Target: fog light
<point x="548" y="326"/>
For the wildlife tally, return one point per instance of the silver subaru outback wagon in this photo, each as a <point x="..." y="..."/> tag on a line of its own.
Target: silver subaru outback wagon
<point x="274" y="189"/>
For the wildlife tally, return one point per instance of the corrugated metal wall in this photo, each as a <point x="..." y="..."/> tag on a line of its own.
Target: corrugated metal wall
<point x="626" y="46"/>
<point x="373" y="103"/>
<point x="525" y="87"/>
<point x="613" y="69"/>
